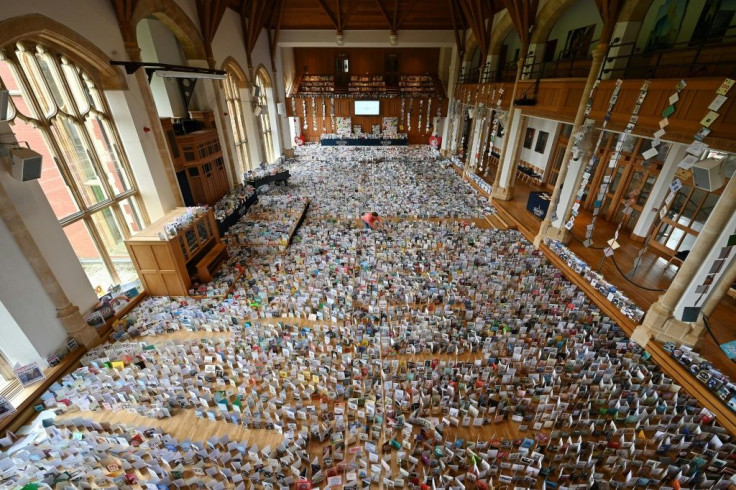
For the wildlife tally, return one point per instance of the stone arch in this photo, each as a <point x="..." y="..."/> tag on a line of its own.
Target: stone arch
<point x="231" y="66"/>
<point x="500" y="31"/>
<point x="177" y="21"/>
<point x="263" y="72"/>
<point x="60" y="38"/>
<point x="634" y="10"/>
<point x="471" y="43"/>
<point x="547" y="17"/>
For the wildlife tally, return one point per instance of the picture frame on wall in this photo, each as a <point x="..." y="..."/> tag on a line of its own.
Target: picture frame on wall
<point x="541" y="142"/>
<point x="529" y="138"/>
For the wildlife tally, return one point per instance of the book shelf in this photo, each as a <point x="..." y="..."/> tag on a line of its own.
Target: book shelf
<point x="425" y="85"/>
<point x="316" y="85"/>
<point x="367" y="84"/>
<point x="417" y="86"/>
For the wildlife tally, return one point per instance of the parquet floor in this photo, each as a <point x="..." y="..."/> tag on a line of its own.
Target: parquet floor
<point x="653" y="274"/>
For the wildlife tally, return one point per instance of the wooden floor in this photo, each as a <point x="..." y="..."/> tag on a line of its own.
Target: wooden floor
<point x="653" y="273"/>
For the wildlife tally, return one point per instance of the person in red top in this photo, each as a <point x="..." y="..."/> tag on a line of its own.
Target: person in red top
<point x="370" y="220"/>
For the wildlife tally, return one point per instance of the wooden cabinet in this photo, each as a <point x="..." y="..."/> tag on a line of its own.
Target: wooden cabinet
<point x="165" y="266"/>
<point x="199" y="166"/>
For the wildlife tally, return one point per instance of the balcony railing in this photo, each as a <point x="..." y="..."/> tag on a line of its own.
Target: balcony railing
<point x="708" y="57"/>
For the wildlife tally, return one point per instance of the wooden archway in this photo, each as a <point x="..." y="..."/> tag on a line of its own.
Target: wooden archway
<point x="61" y="39"/>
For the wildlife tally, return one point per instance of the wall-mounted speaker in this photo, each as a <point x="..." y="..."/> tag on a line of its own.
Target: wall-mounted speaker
<point x="281" y="109"/>
<point x="257" y="111"/>
<point x="707" y="175"/>
<point x="26" y="164"/>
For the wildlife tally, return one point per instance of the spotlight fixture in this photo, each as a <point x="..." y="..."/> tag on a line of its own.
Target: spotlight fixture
<point x="339" y="39"/>
<point x="393" y="39"/>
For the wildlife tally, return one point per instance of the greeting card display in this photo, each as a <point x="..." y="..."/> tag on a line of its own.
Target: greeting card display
<point x="390" y="127"/>
<point x="406" y="356"/>
<point x="344" y="126"/>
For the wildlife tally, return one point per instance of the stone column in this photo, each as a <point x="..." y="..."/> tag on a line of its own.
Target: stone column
<point x="715" y="297"/>
<point x="134" y="53"/>
<point x="546" y="230"/>
<point x="68" y="314"/>
<point x="661" y="188"/>
<point x="659" y="321"/>
<point x="503" y="182"/>
<point x="511" y="120"/>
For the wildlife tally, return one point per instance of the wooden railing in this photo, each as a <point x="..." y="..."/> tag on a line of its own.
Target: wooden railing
<point x="559" y="99"/>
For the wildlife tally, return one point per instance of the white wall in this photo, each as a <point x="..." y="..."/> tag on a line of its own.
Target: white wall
<point x="16" y="347"/>
<point x="103" y="31"/>
<point x="513" y="42"/>
<point x="35" y="210"/>
<point x="228" y="41"/>
<point x="158" y="44"/>
<point x="25" y="299"/>
<point x="580" y="14"/>
<point x="530" y="156"/>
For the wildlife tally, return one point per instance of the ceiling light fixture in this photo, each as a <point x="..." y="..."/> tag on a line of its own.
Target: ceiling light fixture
<point x="188" y="74"/>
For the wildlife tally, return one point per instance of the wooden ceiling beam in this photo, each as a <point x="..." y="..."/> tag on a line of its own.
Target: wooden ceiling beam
<point x="385" y="15"/>
<point x="329" y="13"/>
<point x="274" y="40"/>
<point x="210" y="13"/>
<point x="473" y="10"/>
<point x="124" y="13"/>
<point x="523" y="14"/>
<point x="609" y="10"/>
<point x="459" y="39"/>
<point x="405" y="13"/>
<point x="339" y="15"/>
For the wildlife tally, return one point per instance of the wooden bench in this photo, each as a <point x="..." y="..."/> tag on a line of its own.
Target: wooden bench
<point x="210" y="263"/>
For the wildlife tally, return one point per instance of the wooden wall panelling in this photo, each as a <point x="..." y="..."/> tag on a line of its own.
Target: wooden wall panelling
<point x="390" y="107"/>
<point x="559" y="99"/>
<point x="364" y="60"/>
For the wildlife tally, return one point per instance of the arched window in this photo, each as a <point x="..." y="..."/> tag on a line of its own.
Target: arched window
<point x="263" y="83"/>
<point x="237" y="120"/>
<point x="57" y="109"/>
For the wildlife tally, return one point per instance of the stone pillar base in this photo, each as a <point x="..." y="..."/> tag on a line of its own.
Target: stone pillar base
<point x="679" y="332"/>
<point x="289" y="152"/>
<point x="502" y="193"/>
<point x="76" y="327"/>
<point x="553" y="233"/>
<point x="641" y="335"/>
<point x="665" y="328"/>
